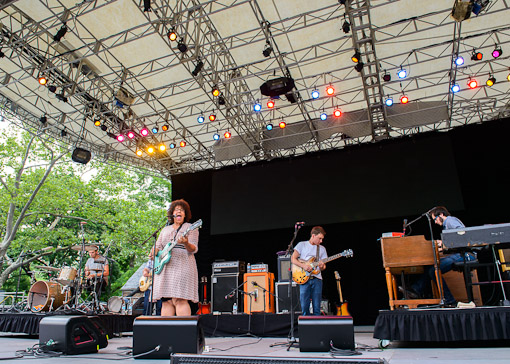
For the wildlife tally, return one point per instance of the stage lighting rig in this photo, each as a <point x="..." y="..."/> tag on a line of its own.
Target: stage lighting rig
<point x="60" y="34"/>
<point x="267" y="50"/>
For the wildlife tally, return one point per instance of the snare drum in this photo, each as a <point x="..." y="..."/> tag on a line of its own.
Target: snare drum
<point x="45" y="296"/>
<point x="67" y="275"/>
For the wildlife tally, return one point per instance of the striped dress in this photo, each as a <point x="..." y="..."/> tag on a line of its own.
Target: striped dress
<point x="179" y="277"/>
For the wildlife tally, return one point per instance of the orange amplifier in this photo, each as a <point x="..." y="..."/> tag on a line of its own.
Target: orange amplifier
<point x="260" y="287"/>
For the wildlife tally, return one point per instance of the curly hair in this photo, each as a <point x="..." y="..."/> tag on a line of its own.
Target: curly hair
<point x="184" y="205"/>
<point x="438" y="210"/>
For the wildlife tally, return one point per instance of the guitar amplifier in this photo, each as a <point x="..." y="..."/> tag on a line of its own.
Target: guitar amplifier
<point x="224" y="293"/>
<point x="261" y="289"/>
<point x="258" y="268"/>
<point x="283" y="297"/>
<point x="283" y="268"/>
<point x="228" y="267"/>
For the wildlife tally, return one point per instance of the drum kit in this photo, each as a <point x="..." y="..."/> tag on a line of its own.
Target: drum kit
<point x="64" y="291"/>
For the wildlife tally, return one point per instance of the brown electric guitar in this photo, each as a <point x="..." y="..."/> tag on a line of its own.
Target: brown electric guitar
<point x="341" y="309"/>
<point x="204" y="307"/>
<point x="301" y="276"/>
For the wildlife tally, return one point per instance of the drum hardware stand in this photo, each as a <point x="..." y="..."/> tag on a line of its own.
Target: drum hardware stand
<point x="82" y="251"/>
<point x="155" y="235"/>
<point x="249" y="294"/>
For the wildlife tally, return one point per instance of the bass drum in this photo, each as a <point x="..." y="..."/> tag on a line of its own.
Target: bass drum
<point x="115" y="304"/>
<point x="45" y="296"/>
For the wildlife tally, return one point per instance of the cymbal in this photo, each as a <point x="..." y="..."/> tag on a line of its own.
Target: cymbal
<point x="88" y="247"/>
<point x="46" y="267"/>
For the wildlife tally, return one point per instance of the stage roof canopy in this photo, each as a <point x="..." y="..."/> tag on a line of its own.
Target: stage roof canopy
<point x="112" y="63"/>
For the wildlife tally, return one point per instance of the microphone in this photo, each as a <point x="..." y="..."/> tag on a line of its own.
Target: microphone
<point x="256" y="294"/>
<point x="230" y="295"/>
<point x="254" y="283"/>
<point x="405" y="225"/>
<point x="300" y="223"/>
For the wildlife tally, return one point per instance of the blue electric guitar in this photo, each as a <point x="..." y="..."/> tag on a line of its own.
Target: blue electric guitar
<point x="165" y="254"/>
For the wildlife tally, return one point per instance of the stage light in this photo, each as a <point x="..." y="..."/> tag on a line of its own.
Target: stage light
<point x="257" y="107"/>
<point x="2" y="54"/>
<point x="139" y="152"/>
<point x="212" y="117"/>
<point x="508" y="77"/>
<point x="144" y="132"/>
<point x="324" y="116"/>
<point x="172" y="145"/>
<point x="337" y="113"/>
<point x="61" y="97"/>
<point x="43" y="119"/>
<point x="386" y="77"/>
<point x="215" y="91"/>
<point x="404" y="99"/>
<point x="282" y="125"/>
<point x="402" y="73"/>
<point x="356" y="57"/>
<point x="227" y="135"/>
<point x="497" y="52"/>
<point x="165" y="127"/>
<point x="221" y="100"/>
<point x="182" y="144"/>
<point x="147" y="6"/>
<point x="97" y="122"/>
<point x="182" y="46"/>
<point x="267" y="50"/>
<point x="491" y="81"/>
<point x="162" y="147"/>
<point x="359" y="66"/>
<point x="269" y="126"/>
<point x="155" y="129"/>
<point x="270" y="104"/>
<point x="459" y="61"/>
<point x="52" y="88"/>
<point x="388" y="101"/>
<point x="315" y="94"/>
<point x="455" y="88"/>
<point x="476" y="56"/>
<point x="120" y="138"/>
<point x="472" y="83"/>
<point x="216" y="136"/>
<point x="131" y="134"/>
<point x="172" y="35"/>
<point x="43" y="80"/>
<point x="104" y="127"/>
<point x="63" y="133"/>
<point x="201" y="119"/>
<point x="346" y="27"/>
<point x="330" y="90"/>
<point x="150" y="149"/>
<point x="61" y="32"/>
<point x="198" y="68"/>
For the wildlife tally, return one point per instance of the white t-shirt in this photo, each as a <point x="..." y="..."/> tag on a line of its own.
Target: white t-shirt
<point x="307" y="251"/>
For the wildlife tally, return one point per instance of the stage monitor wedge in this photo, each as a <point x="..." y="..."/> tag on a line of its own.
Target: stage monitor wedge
<point x="318" y="333"/>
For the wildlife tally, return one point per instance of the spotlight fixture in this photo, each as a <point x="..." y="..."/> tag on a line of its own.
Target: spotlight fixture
<point x="43" y="119"/>
<point x="356" y="57"/>
<point x="282" y="124"/>
<point x="172" y="35"/>
<point x="315" y="94"/>
<point x="182" y="46"/>
<point x="455" y="88"/>
<point x="476" y="56"/>
<point x="147" y="6"/>
<point x="182" y="144"/>
<point x="324" y="116"/>
<point x="150" y="149"/>
<point x="269" y="126"/>
<point x="388" y="101"/>
<point x="404" y="99"/>
<point x="508" y="77"/>
<point x="497" y="52"/>
<point x="330" y="90"/>
<point x="139" y="152"/>
<point x="52" y="88"/>
<point x="61" y="97"/>
<point x="161" y="147"/>
<point x="386" y="77"/>
<point x="104" y="127"/>
<point x="172" y="145"/>
<point x="221" y="100"/>
<point x="267" y="50"/>
<point x="270" y="104"/>
<point x="165" y="127"/>
<point x="402" y="73"/>
<point x="63" y="133"/>
<point x="198" y="68"/>
<point x="337" y="113"/>
<point x="257" y="107"/>
<point x="120" y="138"/>
<point x="201" y="119"/>
<point x="212" y="117"/>
<point x="43" y="80"/>
<point x="60" y="34"/>
<point x="472" y="83"/>
<point x="459" y="61"/>
<point x="215" y="91"/>
<point x="131" y="134"/>
<point x="97" y="122"/>
<point x="2" y="54"/>
<point x="359" y="66"/>
<point x="216" y="136"/>
<point x="144" y="132"/>
<point x="346" y="27"/>
<point x="491" y="81"/>
<point x="227" y="135"/>
<point x="155" y="129"/>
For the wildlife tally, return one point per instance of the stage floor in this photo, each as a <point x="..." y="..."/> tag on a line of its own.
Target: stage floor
<point x="395" y="353"/>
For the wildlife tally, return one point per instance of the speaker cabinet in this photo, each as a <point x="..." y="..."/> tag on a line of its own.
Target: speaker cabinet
<point x="73" y="335"/>
<point x="316" y="332"/>
<point x="221" y="286"/>
<point x="259" y="285"/>
<point x="283" y="268"/>
<point x="173" y="334"/>
<point x="283" y="297"/>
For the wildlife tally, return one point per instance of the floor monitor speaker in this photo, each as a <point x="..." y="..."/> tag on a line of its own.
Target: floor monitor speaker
<point x="317" y="332"/>
<point x="169" y="334"/>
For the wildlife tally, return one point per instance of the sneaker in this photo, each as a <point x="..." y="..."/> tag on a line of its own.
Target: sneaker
<point x="408" y="293"/>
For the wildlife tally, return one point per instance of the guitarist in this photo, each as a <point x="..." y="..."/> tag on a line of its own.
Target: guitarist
<point x="312" y="289"/>
<point x="178" y="281"/>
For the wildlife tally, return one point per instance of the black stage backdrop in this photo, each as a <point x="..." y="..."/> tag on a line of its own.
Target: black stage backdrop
<point x="356" y="194"/>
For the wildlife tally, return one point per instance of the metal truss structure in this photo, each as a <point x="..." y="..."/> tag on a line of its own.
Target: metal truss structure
<point x="112" y="68"/>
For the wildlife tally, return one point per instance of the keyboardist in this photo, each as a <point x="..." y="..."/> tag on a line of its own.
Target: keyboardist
<point x="421" y="287"/>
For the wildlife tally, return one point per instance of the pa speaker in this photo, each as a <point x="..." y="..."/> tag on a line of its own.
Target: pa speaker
<point x="318" y="333"/>
<point x="81" y="155"/>
<point x="277" y="86"/>
<point x="72" y="334"/>
<point x="156" y="337"/>
<point x="224" y="293"/>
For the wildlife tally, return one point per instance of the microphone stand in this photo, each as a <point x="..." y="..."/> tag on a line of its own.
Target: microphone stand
<point x="255" y="284"/>
<point x="436" y="262"/>
<point x="78" y="288"/>
<point x="155" y="236"/>
<point x="290" y="251"/>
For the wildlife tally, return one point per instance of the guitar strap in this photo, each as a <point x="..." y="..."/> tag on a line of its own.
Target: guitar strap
<point x="177" y="232"/>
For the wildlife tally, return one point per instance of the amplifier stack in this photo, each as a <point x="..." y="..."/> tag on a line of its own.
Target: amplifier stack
<point x="226" y="277"/>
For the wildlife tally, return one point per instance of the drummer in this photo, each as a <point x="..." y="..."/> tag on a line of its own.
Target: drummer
<point x="97" y="267"/>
